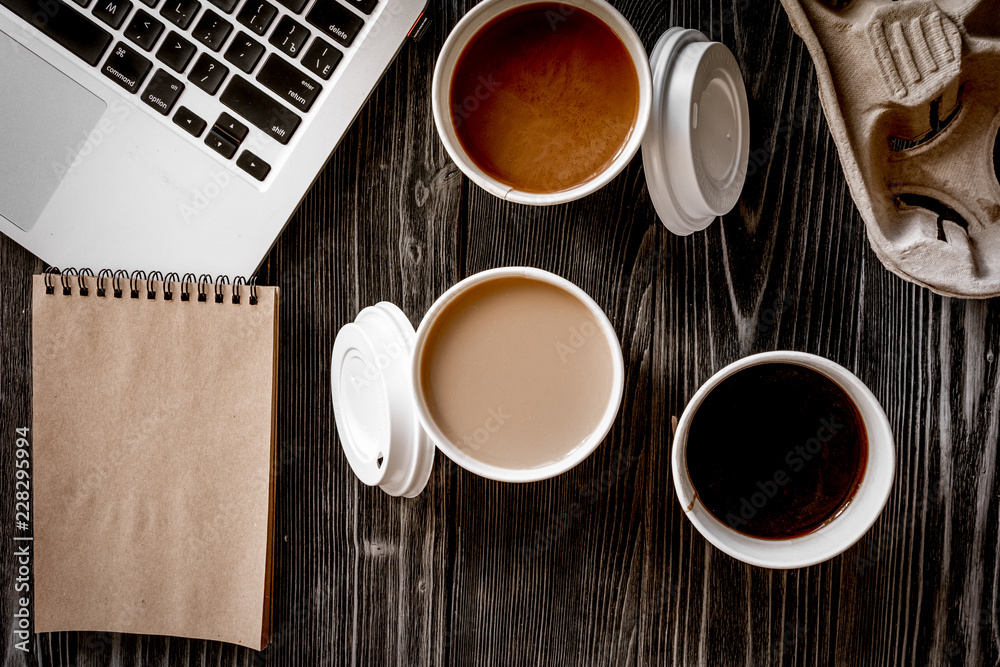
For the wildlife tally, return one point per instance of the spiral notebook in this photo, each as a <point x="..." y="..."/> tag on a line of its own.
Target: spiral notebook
<point x="154" y="414"/>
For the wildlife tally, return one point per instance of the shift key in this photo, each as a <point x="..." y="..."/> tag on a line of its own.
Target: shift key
<point x="260" y="109"/>
<point x="289" y="83"/>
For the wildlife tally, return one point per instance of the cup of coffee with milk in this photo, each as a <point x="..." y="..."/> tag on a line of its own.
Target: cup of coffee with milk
<point x="543" y="103"/>
<point x="517" y="375"/>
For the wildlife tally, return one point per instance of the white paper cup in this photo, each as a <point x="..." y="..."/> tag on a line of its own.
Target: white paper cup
<point x="455" y="450"/>
<point x="466" y="29"/>
<point x="830" y="539"/>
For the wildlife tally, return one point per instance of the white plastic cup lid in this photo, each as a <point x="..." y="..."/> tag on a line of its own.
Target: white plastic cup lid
<point x="697" y="146"/>
<point x="373" y="402"/>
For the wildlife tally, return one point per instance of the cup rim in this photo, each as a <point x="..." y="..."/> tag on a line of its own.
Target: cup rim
<point x="841" y="532"/>
<point x="462" y="34"/>
<point x="575" y="456"/>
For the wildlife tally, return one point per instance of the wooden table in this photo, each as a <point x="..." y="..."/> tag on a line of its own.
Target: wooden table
<point x="476" y="572"/>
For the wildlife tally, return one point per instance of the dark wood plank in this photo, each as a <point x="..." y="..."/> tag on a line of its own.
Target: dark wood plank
<point x="599" y="566"/>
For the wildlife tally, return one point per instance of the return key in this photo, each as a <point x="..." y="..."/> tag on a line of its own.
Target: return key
<point x="289" y="83"/>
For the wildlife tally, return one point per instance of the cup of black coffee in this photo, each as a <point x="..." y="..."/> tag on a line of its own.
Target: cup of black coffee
<point x="783" y="459"/>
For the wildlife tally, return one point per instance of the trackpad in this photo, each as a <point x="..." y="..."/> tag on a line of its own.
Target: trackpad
<point x="46" y="123"/>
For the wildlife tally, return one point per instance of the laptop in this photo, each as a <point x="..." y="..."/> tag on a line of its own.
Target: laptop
<point x="177" y="135"/>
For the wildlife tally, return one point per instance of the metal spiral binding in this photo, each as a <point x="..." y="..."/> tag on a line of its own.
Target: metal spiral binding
<point x="104" y="274"/>
<point x="49" y="272"/>
<point x="239" y="284"/>
<point x="222" y="280"/>
<point x="168" y="293"/>
<point x="153" y="276"/>
<point x="203" y="281"/>
<point x="185" y="295"/>
<point x="115" y="282"/>
<point x="81" y="283"/>
<point x="67" y="290"/>
<point x="132" y="283"/>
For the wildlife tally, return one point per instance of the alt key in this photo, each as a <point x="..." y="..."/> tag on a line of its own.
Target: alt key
<point x="162" y="92"/>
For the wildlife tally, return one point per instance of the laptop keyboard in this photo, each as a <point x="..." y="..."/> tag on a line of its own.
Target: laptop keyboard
<point x="165" y="48"/>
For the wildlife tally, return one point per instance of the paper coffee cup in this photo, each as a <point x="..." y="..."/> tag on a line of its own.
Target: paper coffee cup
<point x="840" y="532"/>
<point x="383" y="410"/>
<point x="477" y="18"/>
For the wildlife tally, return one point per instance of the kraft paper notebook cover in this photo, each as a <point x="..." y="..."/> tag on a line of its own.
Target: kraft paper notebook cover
<point x="154" y="406"/>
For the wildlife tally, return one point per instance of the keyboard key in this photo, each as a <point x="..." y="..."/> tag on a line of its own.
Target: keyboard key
<point x="256" y="15"/>
<point x="175" y="52"/>
<point x="113" y="12"/>
<point x="244" y="52"/>
<point x="221" y="144"/>
<point x="289" y="83"/>
<point x="234" y="128"/>
<point x="253" y="165"/>
<point x="289" y="36"/>
<point x="67" y="27"/>
<point x="208" y="73"/>
<point x="162" y="92"/>
<point x="225" y="5"/>
<point x="364" y="5"/>
<point x="260" y="109"/>
<point x="212" y="30"/>
<point x="321" y="59"/>
<point x="144" y="30"/>
<point x="295" y="5"/>
<point x="180" y="12"/>
<point x="335" y="20"/>
<point x="191" y="122"/>
<point x="151" y="3"/>
<point x="126" y="67"/>
<point x="82" y="3"/>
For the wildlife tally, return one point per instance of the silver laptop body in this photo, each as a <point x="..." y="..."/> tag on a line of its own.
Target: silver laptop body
<point x="103" y="160"/>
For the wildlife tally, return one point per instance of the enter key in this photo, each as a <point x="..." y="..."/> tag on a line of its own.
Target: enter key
<point x="289" y="83"/>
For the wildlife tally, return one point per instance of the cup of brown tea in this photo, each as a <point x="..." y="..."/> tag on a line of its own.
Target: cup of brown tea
<point x="542" y="102"/>
<point x="783" y="459"/>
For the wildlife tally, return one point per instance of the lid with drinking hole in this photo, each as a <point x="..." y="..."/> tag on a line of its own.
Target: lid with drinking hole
<point x="697" y="146"/>
<point x="374" y="405"/>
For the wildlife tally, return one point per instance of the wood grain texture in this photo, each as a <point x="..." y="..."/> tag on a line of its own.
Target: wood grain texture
<point x="598" y="566"/>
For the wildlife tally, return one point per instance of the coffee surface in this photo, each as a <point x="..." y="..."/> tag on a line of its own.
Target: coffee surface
<point x="776" y="450"/>
<point x="544" y="97"/>
<point x="517" y="372"/>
